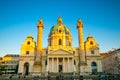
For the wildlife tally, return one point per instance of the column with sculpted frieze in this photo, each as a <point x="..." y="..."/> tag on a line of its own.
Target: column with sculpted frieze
<point x="48" y="64"/>
<point x="63" y="64"/>
<point x="52" y="65"/>
<point x="57" y="64"/>
<point x="68" y="64"/>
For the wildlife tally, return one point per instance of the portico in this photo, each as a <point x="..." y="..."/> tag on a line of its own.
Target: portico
<point x="60" y="63"/>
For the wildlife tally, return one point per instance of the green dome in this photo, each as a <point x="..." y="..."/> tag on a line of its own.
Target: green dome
<point x="55" y="29"/>
<point x="59" y="27"/>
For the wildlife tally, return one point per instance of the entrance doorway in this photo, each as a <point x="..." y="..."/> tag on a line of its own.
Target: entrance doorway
<point x="26" y="68"/>
<point x="60" y="68"/>
<point x="94" y="68"/>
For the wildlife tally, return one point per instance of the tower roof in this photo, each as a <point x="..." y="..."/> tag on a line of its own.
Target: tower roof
<point x="30" y="36"/>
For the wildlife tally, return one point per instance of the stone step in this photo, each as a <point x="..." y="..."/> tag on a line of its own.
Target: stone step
<point x="57" y="74"/>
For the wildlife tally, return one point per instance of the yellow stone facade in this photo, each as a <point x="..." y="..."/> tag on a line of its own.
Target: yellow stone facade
<point x="8" y="63"/>
<point x="6" y="58"/>
<point x="60" y="55"/>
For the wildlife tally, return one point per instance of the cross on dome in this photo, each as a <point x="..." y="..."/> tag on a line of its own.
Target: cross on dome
<point x="59" y="20"/>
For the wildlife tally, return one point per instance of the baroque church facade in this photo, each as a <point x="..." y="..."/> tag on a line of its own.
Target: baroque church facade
<point x="59" y="55"/>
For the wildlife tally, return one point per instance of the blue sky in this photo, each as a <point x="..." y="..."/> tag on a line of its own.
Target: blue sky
<point x="18" y="19"/>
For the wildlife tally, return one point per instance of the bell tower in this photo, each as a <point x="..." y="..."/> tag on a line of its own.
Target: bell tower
<point x="40" y="27"/>
<point x="81" y="41"/>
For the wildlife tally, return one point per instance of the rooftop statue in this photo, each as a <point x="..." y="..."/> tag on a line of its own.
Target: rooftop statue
<point x="79" y="24"/>
<point x="40" y="24"/>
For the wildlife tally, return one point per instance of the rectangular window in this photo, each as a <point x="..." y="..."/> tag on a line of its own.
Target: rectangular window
<point x="92" y="52"/>
<point x="27" y="52"/>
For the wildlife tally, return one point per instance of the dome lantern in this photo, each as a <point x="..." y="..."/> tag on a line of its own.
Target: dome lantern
<point x="59" y="20"/>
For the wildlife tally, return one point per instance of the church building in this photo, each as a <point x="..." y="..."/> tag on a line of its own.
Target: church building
<point x="60" y="55"/>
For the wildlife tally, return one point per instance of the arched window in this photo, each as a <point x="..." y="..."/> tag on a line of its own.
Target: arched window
<point x="92" y="52"/>
<point x="91" y="42"/>
<point x="28" y="42"/>
<point x="46" y="62"/>
<point x="74" y="62"/>
<point x="60" y="42"/>
<point x="94" y="67"/>
<point x="73" y="52"/>
<point x="60" y="31"/>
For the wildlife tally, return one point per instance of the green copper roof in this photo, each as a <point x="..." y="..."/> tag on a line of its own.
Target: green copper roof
<point x="54" y="29"/>
<point x="59" y="27"/>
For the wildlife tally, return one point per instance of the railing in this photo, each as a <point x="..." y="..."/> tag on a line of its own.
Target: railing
<point x="62" y="77"/>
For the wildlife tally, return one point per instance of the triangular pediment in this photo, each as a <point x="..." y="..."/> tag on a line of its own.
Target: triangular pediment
<point x="61" y="51"/>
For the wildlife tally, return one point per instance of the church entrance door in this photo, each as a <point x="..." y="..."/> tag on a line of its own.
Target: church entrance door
<point x="26" y="68"/>
<point x="60" y="68"/>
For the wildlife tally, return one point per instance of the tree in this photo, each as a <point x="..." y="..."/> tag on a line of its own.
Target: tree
<point x="117" y="65"/>
<point x="2" y="69"/>
<point x="16" y="69"/>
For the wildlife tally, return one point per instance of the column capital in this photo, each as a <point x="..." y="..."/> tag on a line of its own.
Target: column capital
<point x="40" y="24"/>
<point x="79" y="24"/>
